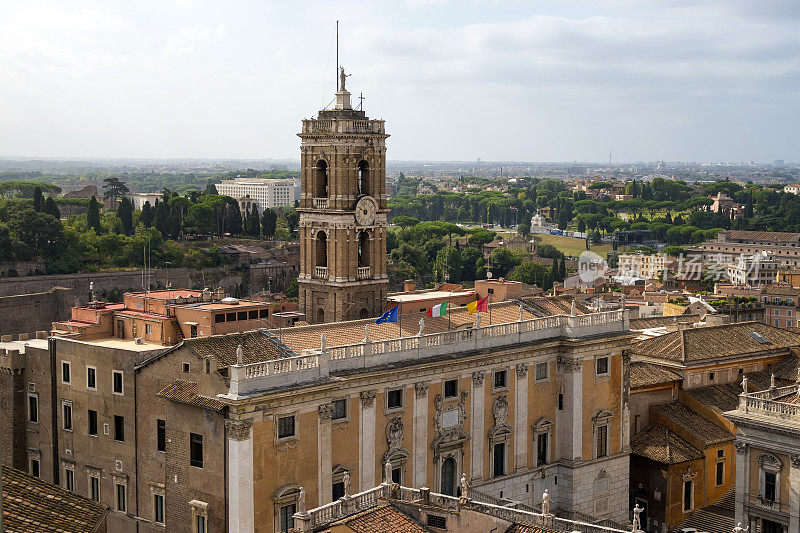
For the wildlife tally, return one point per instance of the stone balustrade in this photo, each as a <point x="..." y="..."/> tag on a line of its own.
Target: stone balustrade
<point x="321" y="272"/>
<point x="339" y="126"/>
<point x="364" y="272"/>
<point x="320" y="203"/>
<point x="320" y="363"/>
<point x="764" y="402"/>
<point x="321" y="516"/>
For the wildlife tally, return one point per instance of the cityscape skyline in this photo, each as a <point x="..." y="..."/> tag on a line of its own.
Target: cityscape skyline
<point x="571" y="81"/>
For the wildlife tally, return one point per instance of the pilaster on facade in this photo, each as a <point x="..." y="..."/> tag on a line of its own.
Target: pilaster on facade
<point x="794" y="493"/>
<point x="325" y="492"/>
<point x="366" y="440"/>
<point x="520" y="418"/>
<point x="571" y="378"/>
<point x="420" y="462"/>
<point x="478" y="435"/>
<point x="241" y="507"/>
<point x="742" y="480"/>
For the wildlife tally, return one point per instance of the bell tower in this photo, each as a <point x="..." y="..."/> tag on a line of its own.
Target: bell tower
<point x="343" y="224"/>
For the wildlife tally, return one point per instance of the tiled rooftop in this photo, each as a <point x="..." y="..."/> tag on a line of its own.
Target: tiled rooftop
<point x="716" y="342"/>
<point x="382" y="519"/>
<point x="187" y="392"/>
<point x="647" y="374"/>
<point x="257" y="346"/>
<point x="781" y="290"/>
<point x="31" y="505"/>
<point x="724" y="397"/>
<point x="763" y="236"/>
<point x="662" y="321"/>
<point x="704" y="429"/>
<point x="658" y="443"/>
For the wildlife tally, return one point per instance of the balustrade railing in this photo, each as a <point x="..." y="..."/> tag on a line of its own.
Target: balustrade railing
<point x="319" y="362"/>
<point x="343" y="126"/>
<point x="321" y="272"/>
<point x="320" y="203"/>
<point x="363" y="272"/>
<point x="764" y="402"/>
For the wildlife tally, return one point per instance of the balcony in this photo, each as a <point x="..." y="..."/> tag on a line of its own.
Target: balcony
<point x="320" y="203"/>
<point x="758" y="501"/>
<point x="363" y="273"/>
<point x="321" y="272"/>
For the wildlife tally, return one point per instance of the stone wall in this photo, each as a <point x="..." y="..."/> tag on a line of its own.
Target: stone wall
<point x="29" y="313"/>
<point x="123" y="281"/>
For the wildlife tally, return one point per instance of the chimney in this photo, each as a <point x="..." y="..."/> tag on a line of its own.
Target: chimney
<point x="409" y="286"/>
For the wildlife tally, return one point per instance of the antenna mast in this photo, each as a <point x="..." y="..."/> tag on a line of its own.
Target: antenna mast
<point x="336" y="74"/>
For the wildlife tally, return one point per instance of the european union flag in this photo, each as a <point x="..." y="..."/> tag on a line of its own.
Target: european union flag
<point x="388" y="316"/>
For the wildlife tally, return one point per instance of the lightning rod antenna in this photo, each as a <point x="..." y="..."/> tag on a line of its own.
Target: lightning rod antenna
<point x="336" y="74"/>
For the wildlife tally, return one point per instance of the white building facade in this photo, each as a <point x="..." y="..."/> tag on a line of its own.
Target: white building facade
<point x="266" y="193"/>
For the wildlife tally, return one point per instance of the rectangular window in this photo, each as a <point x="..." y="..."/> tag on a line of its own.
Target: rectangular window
<point x="263" y="313"/>
<point x="66" y="410"/>
<point x="33" y="408"/>
<point x="242" y="315"/>
<point x="541" y="371"/>
<point x="65" y="372"/>
<point x="500" y="379"/>
<point x="770" y="482"/>
<point x="687" y="496"/>
<point x="720" y="472"/>
<point x="121" y="499"/>
<point x="338" y="490"/>
<point x="94" y="488"/>
<point x="711" y="376"/>
<point x="397" y="475"/>
<point x="119" y="428"/>
<point x="91" y="378"/>
<point x="230" y="317"/>
<point x="158" y="508"/>
<point x="92" y="422"/>
<point x="339" y="410"/>
<point x="602" y="366"/>
<point x="196" y="450"/>
<point x="499" y="459"/>
<point x="193" y="331"/>
<point x="286" y="520"/>
<point x="185" y="367"/>
<point x="602" y="441"/>
<point x="285" y="427"/>
<point x="69" y="479"/>
<point x="161" y="435"/>
<point x="394" y="399"/>
<point x="451" y="388"/>
<point x="117" y="381"/>
<point x="34" y="467"/>
<point x="219" y="318"/>
<point x="560" y="402"/>
<point x="251" y="315"/>
<point x="148" y="328"/>
<point x="541" y="449"/>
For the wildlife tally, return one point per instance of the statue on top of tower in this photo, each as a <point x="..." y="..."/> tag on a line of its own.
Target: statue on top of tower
<point x="342" y="79"/>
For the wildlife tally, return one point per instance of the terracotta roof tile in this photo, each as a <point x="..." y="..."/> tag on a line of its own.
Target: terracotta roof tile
<point x="383" y="519"/>
<point x="186" y="392"/>
<point x="542" y="306"/>
<point x="763" y="236"/>
<point x="715" y="342"/>
<point x="257" y="346"/>
<point x="646" y="374"/>
<point x="706" y="431"/>
<point x="661" y="321"/>
<point x="658" y="443"/>
<point x="31" y="505"/>
<point x="725" y="396"/>
<point x="781" y="290"/>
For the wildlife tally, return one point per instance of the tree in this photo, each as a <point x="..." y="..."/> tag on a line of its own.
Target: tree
<point x="269" y="220"/>
<point x="529" y="272"/>
<point x="292" y="219"/>
<point x="554" y="270"/>
<point x="448" y="264"/>
<point x="125" y="214"/>
<point x="51" y="208"/>
<point x="211" y="188"/>
<point x="404" y="221"/>
<point x="114" y="188"/>
<point x="292" y="290"/>
<point x="524" y="229"/>
<point x="161" y="216"/>
<point x="147" y="215"/>
<point x="254" y="223"/>
<point x="502" y="261"/>
<point x="38" y="199"/>
<point x="93" y="215"/>
<point x="562" y="270"/>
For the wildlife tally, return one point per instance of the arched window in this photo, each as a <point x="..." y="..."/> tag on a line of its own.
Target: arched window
<point x="363" y="177"/>
<point x="363" y="249"/>
<point x="322" y="249"/>
<point x="285" y="506"/>
<point x="321" y="179"/>
<point x="320" y="316"/>
<point x="449" y="477"/>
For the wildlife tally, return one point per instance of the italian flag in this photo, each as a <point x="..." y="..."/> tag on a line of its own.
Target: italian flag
<point x="438" y="310"/>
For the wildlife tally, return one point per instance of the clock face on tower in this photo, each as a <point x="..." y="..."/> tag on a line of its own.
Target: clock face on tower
<point x="366" y="207"/>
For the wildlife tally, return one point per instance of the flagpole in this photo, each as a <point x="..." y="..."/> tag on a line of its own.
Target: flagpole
<point x="447" y="310"/>
<point x="400" y="319"/>
<point x="489" y="305"/>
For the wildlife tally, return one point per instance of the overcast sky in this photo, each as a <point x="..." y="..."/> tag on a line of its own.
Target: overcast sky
<point x="500" y="80"/>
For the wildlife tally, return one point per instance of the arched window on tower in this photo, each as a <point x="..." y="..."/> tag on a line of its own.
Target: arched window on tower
<point x="363" y="249"/>
<point x="448" y="486"/>
<point x="322" y="249"/>
<point x="321" y="179"/>
<point x="363" y="177"/>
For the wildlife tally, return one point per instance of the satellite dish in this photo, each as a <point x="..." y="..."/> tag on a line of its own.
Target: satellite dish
<point x="489" y="275"/>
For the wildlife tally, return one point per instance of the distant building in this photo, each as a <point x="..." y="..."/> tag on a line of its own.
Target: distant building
<point x="730" y="244"/>
<point x="792" y="189"/>
<point x="266" y="193"/>
<point x="138" y="199"/>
